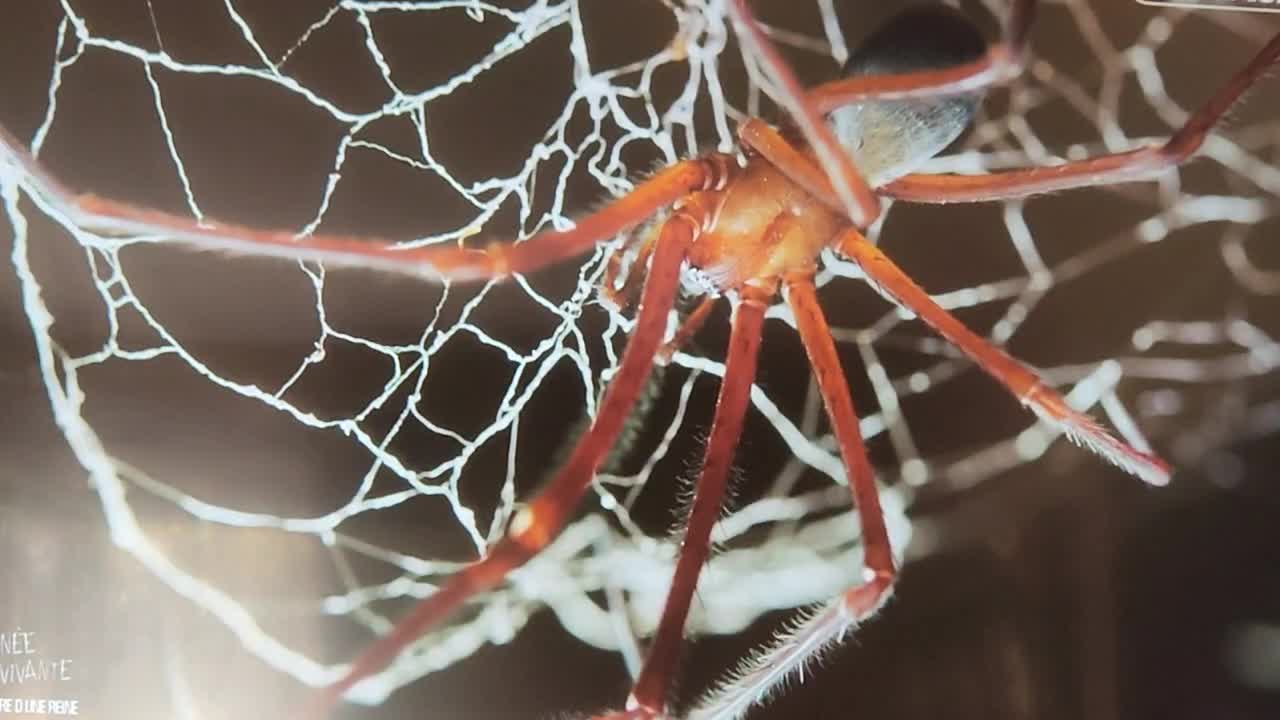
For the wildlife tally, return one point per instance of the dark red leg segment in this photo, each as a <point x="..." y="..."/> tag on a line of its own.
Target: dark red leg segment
<point x="1020" y="380"/>
<point x="456" y="263"/>
<point x="653" y="687"/>
<point x="821" y="349"/>
<point x="825" y="627"/>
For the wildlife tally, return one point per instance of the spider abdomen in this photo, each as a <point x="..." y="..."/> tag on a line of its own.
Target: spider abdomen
<point x="888" y="139"/>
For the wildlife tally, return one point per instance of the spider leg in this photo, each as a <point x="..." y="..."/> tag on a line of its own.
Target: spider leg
<point x="1102" y="170"/>
<point x="537" y="524"/>
<point x="621" y="296"/>
<point x="802" y="296"/>
<point x="1002" y="62"/>
<point x="495" y="260"/>
<point x="856" y="198"/>
<point x="653" y="687"/>
<point x="756" y="678"/>
<point x="1016" y="377"/>
<point x="764" y="139"/>
<point x="688" y="328"/>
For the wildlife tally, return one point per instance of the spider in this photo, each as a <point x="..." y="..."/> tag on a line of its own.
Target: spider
<point x="747" y="226"/>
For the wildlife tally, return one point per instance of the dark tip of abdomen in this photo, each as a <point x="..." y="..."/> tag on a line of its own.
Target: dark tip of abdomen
<point x="889" y="138"/>
<point x="924" y="37"/>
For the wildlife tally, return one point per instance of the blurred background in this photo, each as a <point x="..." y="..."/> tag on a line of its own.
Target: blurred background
<point x="220" y="475"/>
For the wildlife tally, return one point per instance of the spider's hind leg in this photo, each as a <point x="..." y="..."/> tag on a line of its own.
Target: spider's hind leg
<point x="1020" y="380"/>
<point x="756" y="678"/>
<point x="649" y="697"/>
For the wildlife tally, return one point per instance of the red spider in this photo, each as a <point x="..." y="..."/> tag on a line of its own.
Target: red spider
<point x="746" y="226"/>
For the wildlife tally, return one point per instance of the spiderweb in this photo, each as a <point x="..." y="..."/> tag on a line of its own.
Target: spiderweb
<point x="300" y="453"/>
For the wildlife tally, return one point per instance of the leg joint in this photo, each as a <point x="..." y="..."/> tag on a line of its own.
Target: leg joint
<point x="720" y="169"/>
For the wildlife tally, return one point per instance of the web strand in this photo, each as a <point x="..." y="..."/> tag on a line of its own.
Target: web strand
<point x="386" y="403"/>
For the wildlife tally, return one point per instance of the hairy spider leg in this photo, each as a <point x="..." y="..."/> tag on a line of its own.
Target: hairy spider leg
<point x="1020" y="380"/>
<point x="469" y="264"/>
<point x="1114" y="168"/>
<point x="649" y="696"/>
<point x="757" y="677"/>
<point x="688" y="328"/>
<point x="540" y="521"/>
<point x="825" y="627"/>
<point x="497" y="260"/>
<point x="1101" y="170"/>
<point x="653" y="687"/>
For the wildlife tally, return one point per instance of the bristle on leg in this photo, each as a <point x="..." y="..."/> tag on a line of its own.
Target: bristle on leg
<point x="1086" y="432"/>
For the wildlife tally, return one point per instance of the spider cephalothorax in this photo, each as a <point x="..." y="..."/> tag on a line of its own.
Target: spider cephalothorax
<point x="745" y="226"/>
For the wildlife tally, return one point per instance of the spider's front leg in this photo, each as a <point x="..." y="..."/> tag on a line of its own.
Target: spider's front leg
<point x="497" y="260"/>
